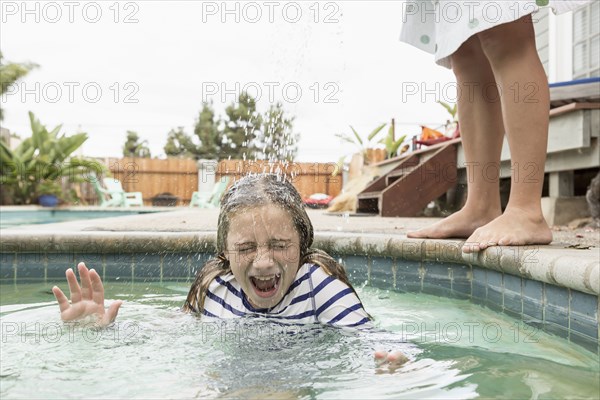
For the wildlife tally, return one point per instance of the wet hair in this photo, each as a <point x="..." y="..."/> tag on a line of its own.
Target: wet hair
<point x="256" y="191"/>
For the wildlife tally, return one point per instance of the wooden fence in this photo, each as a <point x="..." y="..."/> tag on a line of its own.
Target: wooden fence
<point x="308" y="178"/>
<point x="179" y="176"/>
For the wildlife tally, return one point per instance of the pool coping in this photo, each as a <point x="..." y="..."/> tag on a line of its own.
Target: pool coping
<point x="552" y="264"/>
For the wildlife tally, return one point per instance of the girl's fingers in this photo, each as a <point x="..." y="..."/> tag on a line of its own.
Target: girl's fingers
<point x="86" y="283"/>
<point x="97" y="287"/>
<point x="112" y="312"/>
<point x="392" y="359"/>
<point x="63" y="302"/>
<point x="397" y="358"/>
<point x="74" y="288"/>
<point x="380" y="357"/>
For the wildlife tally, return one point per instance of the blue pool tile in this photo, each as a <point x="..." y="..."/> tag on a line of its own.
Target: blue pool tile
<point x="494" y="280"/>
<point x="584" y="314"/>
<point x="436" y="283"/>
<point x="583" y="325"/>
<point x="480" y="276"/>
<point x="533" y="290"/>
<point x="512" y="295"/>
<point x="461" y="289"/>
<point x="512" y="283"/>
<point x="121" y="257"/>
<point x="460" y="272"/>
<point x="193" y="261"/>
<point x="59" y="263"/>
<point x="408" y="278"/>
<point x="26" y="260"/>
<point x="437" y="275"/>
<point x="147" y="266"/>
<point x="513" y="303"/>
<point x="557" y="315"/>
<point x="437" y="270"/>
<point x="494" y="290"/>
<point x="356" y="268"/>
<point x="179" y="268"/>
<point x="479" y="284"/>
<point x="585" y="341"/>
<point x="92" y="260"/>
<point x="30" y="267"/>
<point x="533" y="309"/>
<point x="6" y="259"/>
<point x="6" y="266"/>
<point x="118" y="268"/>
<point x="512" y="314"/>
<point x="479" y="291"/>
<point x="556" y="296"/>
<point x="494" y="299"/>
<point x="533" y="299"/>
<point x="557" y="330"/>
<point x="556" y="305"/>
<point x="381" y="273"/>
<point x="585" y="304"/>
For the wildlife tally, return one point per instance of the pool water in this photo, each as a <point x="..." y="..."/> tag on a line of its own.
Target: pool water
<point x="13" y="218"/>
<point x="457" y="350"/>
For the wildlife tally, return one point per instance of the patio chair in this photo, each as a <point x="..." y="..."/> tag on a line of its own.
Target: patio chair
<point x="113" y="195"/>
<point x="212" y="199"/>
<point x="127" y="198"/>
<point x="106" y="197"/>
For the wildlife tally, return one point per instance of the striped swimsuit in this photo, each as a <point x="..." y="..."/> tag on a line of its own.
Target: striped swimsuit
<point x="314" y="296"/>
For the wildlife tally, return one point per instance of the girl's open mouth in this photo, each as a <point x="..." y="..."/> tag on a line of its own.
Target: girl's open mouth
<point x="265" y="286"/>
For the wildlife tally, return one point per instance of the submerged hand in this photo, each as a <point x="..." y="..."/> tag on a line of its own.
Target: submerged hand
<point x="393" y="360"/>
<point x="87" y="299"/>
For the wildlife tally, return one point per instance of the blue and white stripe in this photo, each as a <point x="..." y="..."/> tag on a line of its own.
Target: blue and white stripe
<point x="314" y="296"/>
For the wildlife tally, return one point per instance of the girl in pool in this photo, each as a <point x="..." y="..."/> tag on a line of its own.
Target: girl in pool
<point x="264" y="267"/>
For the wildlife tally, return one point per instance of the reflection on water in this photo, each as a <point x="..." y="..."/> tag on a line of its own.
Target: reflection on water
<point x="155" y="351"/>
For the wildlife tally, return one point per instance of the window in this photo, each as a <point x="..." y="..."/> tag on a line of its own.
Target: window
<point x="586" y="41"/>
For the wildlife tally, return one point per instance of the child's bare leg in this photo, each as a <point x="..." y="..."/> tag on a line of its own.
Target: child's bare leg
<point x="511" y="50"/>
<point x="480" y="116"/>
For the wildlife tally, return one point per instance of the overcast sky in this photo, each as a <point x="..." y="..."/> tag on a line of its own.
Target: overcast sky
<point x="108" y="67"/>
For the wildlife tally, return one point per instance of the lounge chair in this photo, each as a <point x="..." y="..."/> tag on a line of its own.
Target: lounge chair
<point x="212" y="199"/>
<point x="113" y="195"/>
<point x="127" y="198"/>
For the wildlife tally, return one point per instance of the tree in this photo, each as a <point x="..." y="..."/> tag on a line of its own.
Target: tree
<point x="242" y="134"/>
<point x="10" y="73"/>
<point x="179" y="144"/>
<point x="241" y="127"/>
<point x="134" y="148"/>
<point x="207" y="132"/>
<point x="276" y="140"/>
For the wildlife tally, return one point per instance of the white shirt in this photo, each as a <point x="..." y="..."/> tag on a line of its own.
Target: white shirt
<point x="314" y="296"/>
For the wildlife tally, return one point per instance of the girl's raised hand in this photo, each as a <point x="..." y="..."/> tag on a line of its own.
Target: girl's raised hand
<point x="87" y="299"/>
<point x="391" y="360"/>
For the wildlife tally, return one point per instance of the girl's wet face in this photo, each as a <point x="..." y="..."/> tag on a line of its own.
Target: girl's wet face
<point x="264" y="253"/>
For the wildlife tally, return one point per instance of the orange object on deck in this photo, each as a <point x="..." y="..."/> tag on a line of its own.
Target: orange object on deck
<point x="431" y="136"/>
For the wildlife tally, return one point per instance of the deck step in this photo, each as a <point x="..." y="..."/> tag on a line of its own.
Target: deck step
<point x="369" y="195"/>
<point x="409" y="187"/>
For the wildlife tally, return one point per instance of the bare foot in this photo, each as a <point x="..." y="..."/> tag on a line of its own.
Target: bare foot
<point x="516" y="227"/>
<point x="461" y="224"/>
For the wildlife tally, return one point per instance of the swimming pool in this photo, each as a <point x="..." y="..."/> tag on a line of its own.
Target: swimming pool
<point x="12" y="217"/>
<point x="459" y="349"/>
